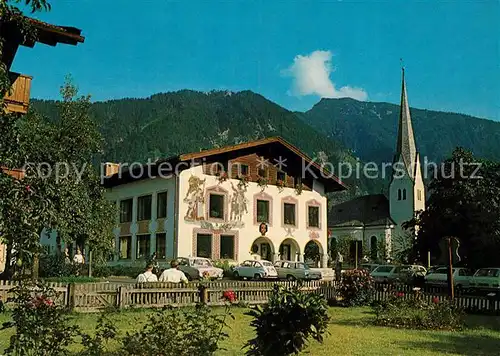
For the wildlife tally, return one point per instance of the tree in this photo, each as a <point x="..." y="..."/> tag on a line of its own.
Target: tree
<point x="464" y="203"/>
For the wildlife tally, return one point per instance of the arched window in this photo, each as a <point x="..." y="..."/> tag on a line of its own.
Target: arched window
<point x="404" y="194"/>
<point x="399" y="194"/>
<point x="373" y="247"/>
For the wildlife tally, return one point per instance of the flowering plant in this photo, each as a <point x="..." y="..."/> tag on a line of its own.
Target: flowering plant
<point x="262" y="182"/>
<point x="223" y="176"/>
<point x="299" y="188"/>
<point x="229" y="296"/>
<point x="357" y="288"/>
<point x="280" y="184"/>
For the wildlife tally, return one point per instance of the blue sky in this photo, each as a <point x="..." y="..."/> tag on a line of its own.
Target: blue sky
<point x="292" y="52"/>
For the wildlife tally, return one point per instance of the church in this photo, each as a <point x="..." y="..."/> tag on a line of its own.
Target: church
<point x="372" y="224"/>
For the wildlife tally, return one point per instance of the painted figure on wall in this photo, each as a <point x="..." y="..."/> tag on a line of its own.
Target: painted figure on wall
<point x="263" y="229"/>
<point x="194" y="198"/>
<point x="238" y="202"/>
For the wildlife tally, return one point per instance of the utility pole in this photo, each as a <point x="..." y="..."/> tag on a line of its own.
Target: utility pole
<point x="356" y="254"/>
<point x="451" y="291"/>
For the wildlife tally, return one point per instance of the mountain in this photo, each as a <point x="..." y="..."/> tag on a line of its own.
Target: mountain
<point x="187" y="121"/>
<point x="370" y="130"/>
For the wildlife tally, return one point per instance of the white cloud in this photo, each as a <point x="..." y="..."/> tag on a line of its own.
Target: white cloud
<point x="311" y="76"/>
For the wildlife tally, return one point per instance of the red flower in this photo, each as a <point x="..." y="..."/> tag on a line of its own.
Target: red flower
<point x="400" y="294"/>
<point x="435" y="300"/>
<point x="28" y="189"/>
<point x="229" y="296"/>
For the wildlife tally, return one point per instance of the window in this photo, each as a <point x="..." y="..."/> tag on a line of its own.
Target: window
<point x="216" y="206"/>
<point x="144" y="208"/>
<point x="143" y="246"/>
<point x="419" y="194"/>
<point x="227" y="247"/>
<point x="313" y="212"/>
<point x="125" y="247"/>
<point x="399" y="194"/>
<point x="204" y="245"/>
<point x="281" y="176"/>
<point x="161" y="205"/>
<point x="289" y="214"/>
<point x="262" y="211"/>
<point x="262" y="172"/>
<point x="404" y="194"/>
<point x="161" y="246"/>
<point x="126" y="210"/>
<point x="243" y="170"/>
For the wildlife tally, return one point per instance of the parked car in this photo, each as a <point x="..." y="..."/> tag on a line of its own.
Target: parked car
<point x="439" y="277"/>
<point x="295" y="270"/>
<point x="393" y="273"/>
<point x="256" y="269"/>
<point x="197" y="267"/>
<point x="486" y="279"/>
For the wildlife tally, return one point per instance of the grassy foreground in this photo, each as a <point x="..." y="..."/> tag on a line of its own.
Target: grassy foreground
<point x="350" y="334"/>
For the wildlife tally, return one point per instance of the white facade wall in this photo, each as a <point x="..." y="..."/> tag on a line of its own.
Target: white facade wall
<point x="246" y="229"/>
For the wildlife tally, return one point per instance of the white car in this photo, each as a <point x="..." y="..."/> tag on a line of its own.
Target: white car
<point x="439" y="277"/>
<point x="486" y="279"/>
<point x="393" y="273"/>
<point x="256" y="269"/>
<point x="199" y="267"/>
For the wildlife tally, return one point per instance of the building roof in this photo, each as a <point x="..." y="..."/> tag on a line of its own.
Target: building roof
<point x="367" y="210"/>
<point x="406" y="147"/>
<point x="274" y="144"/>
<point x="52" y="34"/>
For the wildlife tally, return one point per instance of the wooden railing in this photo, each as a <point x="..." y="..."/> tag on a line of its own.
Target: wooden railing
<point x="98" y="296"/>
<point x="18" y="98"/>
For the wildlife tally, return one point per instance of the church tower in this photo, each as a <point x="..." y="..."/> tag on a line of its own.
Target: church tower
<point x="406" y="190"/>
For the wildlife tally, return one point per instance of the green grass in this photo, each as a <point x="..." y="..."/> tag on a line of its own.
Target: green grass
<point x="350" y="334"/>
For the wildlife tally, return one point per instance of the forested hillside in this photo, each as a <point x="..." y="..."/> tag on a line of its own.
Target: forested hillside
<point x="187" y="121"/>
<point x="370" y="130"/>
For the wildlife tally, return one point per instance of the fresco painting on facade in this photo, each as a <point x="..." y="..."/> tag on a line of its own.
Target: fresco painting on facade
<point x="195" y="198"/>
<point x="238" y="201"/>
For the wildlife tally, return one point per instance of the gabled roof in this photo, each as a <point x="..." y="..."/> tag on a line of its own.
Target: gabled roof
<point x="330" y="181"/>
<point x="364" y="211"/>
<point x="52" y="34"/>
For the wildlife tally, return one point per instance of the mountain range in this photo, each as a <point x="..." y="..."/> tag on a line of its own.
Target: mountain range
<point x="340" y="130"/>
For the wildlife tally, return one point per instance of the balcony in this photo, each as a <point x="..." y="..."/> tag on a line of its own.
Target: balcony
<point x="18" y="98"/>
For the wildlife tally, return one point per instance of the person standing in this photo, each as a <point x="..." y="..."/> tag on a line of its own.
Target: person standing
<point x="173" y="274"/>
<point x="78" y="258"/>
<point x="148" y="275"/>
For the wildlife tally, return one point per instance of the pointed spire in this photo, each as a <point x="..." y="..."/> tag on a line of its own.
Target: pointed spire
<point x="406" y="148"/>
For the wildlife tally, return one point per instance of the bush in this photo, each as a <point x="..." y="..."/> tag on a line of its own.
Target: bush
<point x="179" y="332"/>
<point x="414" y="312"/>
<point x="42" y="328"/>
<point x="126" y="271"/>
<point x="357" y="288"/>
<point x="226" y="266"/>
<point x="101" y="271"/>
<point x="284" y="325"/>
<point x="95" y="345"/>
<point x="55" y="266"/>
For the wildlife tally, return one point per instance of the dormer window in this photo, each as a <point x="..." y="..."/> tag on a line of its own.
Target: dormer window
<point x="281" y="176"/>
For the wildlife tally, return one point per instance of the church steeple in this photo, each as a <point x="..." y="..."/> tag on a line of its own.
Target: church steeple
<point x="406" y="148"/>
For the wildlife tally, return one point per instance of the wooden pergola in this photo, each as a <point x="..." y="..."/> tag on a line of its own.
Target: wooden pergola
<point x="18" y="98"/>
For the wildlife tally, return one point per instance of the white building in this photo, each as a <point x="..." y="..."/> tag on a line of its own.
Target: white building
<point x="261" y="199"/>
<point x="373" y="219"/>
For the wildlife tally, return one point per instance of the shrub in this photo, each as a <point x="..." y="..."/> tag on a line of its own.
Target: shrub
<point x="284" y="325"/>
<point x="414" y="312"/>
<point x="41" y="327"/>
<point x="101" y="270"/>
<point x="55" y="266"/>
<point x="357" y="288"/>
<point x="126" y="271"/>
<point x="226" y="266"/>
<point x="179" y="332"/>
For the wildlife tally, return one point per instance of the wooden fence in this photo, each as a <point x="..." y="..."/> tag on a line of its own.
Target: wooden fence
<point x="89" y="297"/>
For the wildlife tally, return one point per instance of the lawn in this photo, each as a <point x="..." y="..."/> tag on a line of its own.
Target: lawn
<point x="350" y="334"/>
